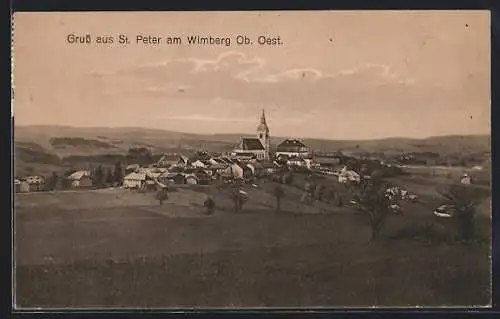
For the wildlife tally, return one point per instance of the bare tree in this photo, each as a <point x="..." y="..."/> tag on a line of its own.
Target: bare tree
<point x="464" y="200"/>
<point x="372" y="201"/>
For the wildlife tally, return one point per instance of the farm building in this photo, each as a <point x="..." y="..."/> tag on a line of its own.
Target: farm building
<point x="347" y="175"/>
<point x="134" y="180"/>
<point x="218" y="168"/>
<point x="328" y="162"/>
<point x="35" y="180"/>
<point x="36" y="183"/>
<point x="466" y="179"/>
<point x="80" y="179"/>
<point x="296" y="162"/>
<point x="233" y="171"/>
<point x="21" y="186"/>
<point x="17" y="185"/>
<point x="191" y="179"/>
<point x="199" y="164"/>
<point x="168" y="160"/>
<point x="183" y="161"/>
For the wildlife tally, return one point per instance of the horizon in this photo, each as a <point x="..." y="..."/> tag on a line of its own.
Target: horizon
<point x="406" y="73"/>
<point x="243" y="134"/>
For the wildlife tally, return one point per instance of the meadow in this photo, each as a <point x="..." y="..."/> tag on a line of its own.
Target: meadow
<point x="116" y="248"/>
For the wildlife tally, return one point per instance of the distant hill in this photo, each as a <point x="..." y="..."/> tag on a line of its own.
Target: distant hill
<point x="105" y="140"/>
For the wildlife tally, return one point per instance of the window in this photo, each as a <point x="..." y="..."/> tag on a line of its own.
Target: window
<point x="260" y="135"/>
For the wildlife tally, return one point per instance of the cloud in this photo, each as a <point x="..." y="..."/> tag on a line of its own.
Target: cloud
<point x="235" y="76"/>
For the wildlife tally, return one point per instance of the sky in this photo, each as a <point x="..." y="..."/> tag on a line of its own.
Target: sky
<point x="336" y="75"/>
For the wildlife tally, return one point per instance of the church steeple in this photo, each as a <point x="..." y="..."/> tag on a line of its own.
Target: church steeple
<point x="263" y="118"/>
<point x="263" y="133"/>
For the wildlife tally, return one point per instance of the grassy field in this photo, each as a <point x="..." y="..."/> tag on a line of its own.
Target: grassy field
<point x="122" y="249"/>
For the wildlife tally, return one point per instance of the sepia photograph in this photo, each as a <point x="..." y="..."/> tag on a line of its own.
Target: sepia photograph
<point x="259" y="159"/>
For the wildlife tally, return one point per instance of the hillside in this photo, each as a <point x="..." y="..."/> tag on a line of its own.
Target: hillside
<point x="105" y="140"/>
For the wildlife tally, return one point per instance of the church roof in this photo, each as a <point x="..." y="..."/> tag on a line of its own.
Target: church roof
<point x="251" y="144"/>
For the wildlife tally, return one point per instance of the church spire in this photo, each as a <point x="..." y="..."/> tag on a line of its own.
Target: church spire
<point x="263" y="118"/>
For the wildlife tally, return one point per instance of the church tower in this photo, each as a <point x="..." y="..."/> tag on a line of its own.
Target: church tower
<point x="263" y="134"/>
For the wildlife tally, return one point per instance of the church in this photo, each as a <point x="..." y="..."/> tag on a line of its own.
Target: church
<point x="259" y="146"/>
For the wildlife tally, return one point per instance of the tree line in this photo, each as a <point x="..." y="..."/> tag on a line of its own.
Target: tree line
<point x="100" y="177"/>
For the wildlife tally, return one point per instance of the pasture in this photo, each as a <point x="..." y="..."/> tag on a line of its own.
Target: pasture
<point x="116" y="248"/>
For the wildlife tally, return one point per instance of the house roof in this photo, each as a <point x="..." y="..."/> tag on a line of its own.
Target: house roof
<point x="34" y="179"/>
<point x="251" y="144"/>
<point x="172" y="175"/>
<point x="79" y="175"/>
<point x="294" y="143"/>
<point x="169" y="158"/>
<point x="136" y="176"/>
<point x="133" y="166"/>
<point x="326" y="160"/>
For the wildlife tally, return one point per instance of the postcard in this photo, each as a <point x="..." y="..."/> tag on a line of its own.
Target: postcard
<point x="239" y="160"/>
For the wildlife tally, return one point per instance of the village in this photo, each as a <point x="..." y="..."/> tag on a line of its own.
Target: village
<point x="251" y="158"/>
<point x="252" y="161"/>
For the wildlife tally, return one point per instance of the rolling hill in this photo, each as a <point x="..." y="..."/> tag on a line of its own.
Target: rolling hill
<point x="78" y="140"/>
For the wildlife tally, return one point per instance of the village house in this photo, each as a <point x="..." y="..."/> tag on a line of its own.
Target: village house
<point x="347" y="175"/>
<point x="172" y="160"/>
<point x="36" y="183"/>
<point x="168" y="160"/>
<point x="327" y="161"/>
<point x="199" y="164"/>
<point x="134" y="180"/>
<point x="191" y="179"/>
<point x="21" y="186"/>
<point x="233" y="171"/>
<point x="80" y="179"/>
<point x="296" y="162"/>
<point x="183" y="161"/>
<point x="466" y="179"/>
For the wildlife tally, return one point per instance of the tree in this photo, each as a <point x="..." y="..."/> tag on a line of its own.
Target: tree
<point x="98" y="178"/>
<point x="319" y="191"/>
<point x="371" y="200"/>
<point x="287" y="178"/>
<point x="162" y="195"/>
<point x="330" y="194"/>
<point x="278" y="193"/>
<point x="140" y="155"/>
<point x="464" y="200"/>
<point x="52" y="182"/>
<point x="236" y="196"/>
<point x="209" y="205"/>
<point x="118" y="173"/>
<point x="109" y="177"/>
